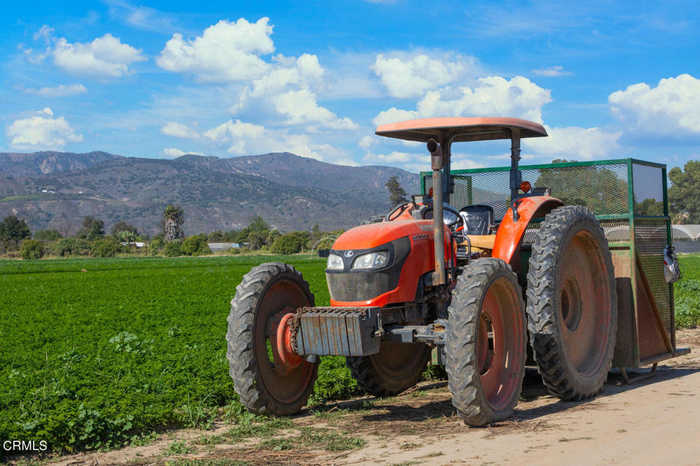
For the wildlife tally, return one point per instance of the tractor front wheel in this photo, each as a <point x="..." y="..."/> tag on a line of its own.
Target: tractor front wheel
<point x="486" y="342"/>
<point x="266" y="375"/>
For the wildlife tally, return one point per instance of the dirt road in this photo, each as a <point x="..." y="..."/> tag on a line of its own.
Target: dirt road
<point x="655" y="421"/>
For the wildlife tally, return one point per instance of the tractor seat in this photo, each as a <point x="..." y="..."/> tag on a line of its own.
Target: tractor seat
<point x="477" y="218"/>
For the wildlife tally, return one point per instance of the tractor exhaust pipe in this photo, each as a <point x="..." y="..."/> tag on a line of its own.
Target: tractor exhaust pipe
<point x="437" y="162"/>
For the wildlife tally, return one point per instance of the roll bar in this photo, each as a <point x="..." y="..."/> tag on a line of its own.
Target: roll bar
<point x="439" y="134"/>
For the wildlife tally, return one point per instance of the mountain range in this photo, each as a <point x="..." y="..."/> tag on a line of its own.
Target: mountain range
<point x="57" y="189"/>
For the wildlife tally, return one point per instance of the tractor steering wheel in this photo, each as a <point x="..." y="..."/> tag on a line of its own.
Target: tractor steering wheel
<point x="450" y="216"/>
<point x="397" y="211"/>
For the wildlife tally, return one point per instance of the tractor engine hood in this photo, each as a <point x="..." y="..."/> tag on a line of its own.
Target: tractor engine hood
<point x="376" y="234"/>
<point x="406" y="247"/>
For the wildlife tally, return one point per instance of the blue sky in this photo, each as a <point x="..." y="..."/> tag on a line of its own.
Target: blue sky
<point x="159" y="79"/>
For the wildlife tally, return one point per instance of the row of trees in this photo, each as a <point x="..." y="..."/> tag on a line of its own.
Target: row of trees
<point x="92" y="239"/>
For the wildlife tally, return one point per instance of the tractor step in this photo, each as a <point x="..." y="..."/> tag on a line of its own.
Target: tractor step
<point x="340" y="331"/>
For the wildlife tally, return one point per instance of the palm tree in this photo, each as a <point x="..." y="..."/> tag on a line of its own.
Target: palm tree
<point x="173" y="218"/>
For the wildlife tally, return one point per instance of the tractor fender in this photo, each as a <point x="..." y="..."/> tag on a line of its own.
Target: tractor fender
<point x="511" y="232"/>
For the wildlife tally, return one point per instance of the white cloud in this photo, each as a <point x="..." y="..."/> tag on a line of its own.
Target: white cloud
<point x="175" y="152"/>
<point x="552" y="72"/>
<point x="225" y="52"/>
<point x="287" y="90"/>
<point x="393" y="115"/>
<point x="239" y="134"/>
<point x="575" y="142"/>
<point x="492" y="96"/>
<point x="366" y="142"/>
<point x="62" y="90"/>
<point x="140" y="17"/>
<point x="348" y="76"/>
<point x="305" y="71"/>
<point x="247" y="138"/>
<point x="410" y="76"/>
<point x="179" y="130"/>
<point x="104" y="56"/>
<point x="300" y="107"/>
<point x="42" y="131"/>
<point x="413" y="162"/>
<point x="672" y="108"/>
<point x="463" y="161"/>
<point x="45" y="33"/>
<point x="232" y="52"/>
<point x="417" y="162"/>
<point x="392" y="158"/>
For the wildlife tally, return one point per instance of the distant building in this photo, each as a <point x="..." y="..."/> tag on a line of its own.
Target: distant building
<point x="223" y="246"/>
<point x="686" y="238"/>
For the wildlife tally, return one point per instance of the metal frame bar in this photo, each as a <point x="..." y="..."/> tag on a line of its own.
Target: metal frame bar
<point x="554" y="165"/>
<point x="669" y="241"/>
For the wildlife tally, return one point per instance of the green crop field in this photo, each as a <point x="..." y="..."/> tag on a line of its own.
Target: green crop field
<point x="95" y="353"/>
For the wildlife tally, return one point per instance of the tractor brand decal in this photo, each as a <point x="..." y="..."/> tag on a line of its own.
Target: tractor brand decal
<point x="348" y="253"/>
<point x="422" y="236"/>
<point x="426" y="227"/>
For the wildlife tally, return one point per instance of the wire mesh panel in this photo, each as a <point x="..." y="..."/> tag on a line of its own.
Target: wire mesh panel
<point x="650" y="241"/>
<point x="487" y="188"/>
<point x="648" y="190"/>
<point x="602" y="188"/>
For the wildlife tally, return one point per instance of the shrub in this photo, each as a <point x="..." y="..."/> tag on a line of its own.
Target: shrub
<point x="291" y="243"/>
<point x="108" y="247"/>
<point x="47" y="235"/>
<point x="31" y="249"/>
<point x="326" y="243"/>
<point x="71" y="247"/>
<point x="216" y="236"/>
<point x="93" y="228"/>
<point x="173" y="248"/>
<point x="156" y="244"/>
<point x="256" y="239"/>
<point x="195" y="246"/>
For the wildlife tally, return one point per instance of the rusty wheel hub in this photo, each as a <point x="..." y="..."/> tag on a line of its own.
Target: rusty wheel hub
<point x="584" y="297"/>
<point x="499" y="343"/>
<point x="285" y="374"/>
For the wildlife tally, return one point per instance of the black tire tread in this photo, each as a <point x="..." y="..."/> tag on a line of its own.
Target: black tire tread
<point x="240" y="339"/>
<point x="370" y="381"/>
<point x="461" y="346"/>
<point x="541" y="309"/>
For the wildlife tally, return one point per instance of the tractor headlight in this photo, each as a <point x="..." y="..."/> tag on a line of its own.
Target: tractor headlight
<point x="372" y="260"/>
<point x="334" y="262"/>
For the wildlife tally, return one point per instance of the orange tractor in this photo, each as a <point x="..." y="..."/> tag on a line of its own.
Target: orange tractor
<point x="432" y="278"/>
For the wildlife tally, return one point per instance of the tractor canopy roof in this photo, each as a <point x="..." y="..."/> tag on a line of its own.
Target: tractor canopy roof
<point x="460" y="129"/>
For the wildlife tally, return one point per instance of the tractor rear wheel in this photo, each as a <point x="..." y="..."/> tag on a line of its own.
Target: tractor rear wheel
<point x="397" y="367"/>
<point x="486" y="342"/>
<point x="572" y="303"/>
<point x="267" y="378"/>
